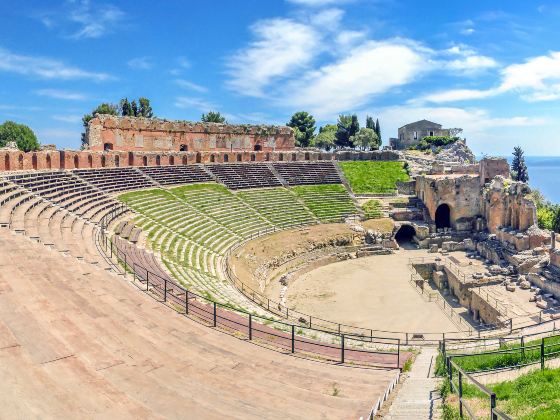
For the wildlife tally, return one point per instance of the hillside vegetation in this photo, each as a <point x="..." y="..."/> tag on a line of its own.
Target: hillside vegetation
<point x="374" y="177"/>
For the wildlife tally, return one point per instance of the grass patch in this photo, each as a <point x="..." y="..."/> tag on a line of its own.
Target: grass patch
<point x="372" y="209"/>
<point x="374" y="177"/>
<point x="326" y="202"/>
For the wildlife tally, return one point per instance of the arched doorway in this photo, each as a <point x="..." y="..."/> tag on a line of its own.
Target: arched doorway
<point x="34" y="161"/>
<point x="49" y="164"/>
<point x="257" y="148"/>
<point x="172" y="160"/>
<point x="198" y="157"/>
<point x="253" y="157"/>
<point x="145" y="160"/>
<point x="130" y="159"/>
<point x="281" y="157"/>
<point x="405" y="236"/>
<point x="294" y="157"/>
<point x="7" y="162"/>
<point x="226" y="158"/>
<point x="117" y="161"/>
<point x="158" y="160"/>
<point x="103" y="161"/>
<point x="306" y="155"/>
<point x="239" y="157"/>
<point x="184" y="160"/>
<point x="443" y="216"/>
<point x="90" y="161"/>
<point x="212" y="159"/>
<point x="76" y="162"/>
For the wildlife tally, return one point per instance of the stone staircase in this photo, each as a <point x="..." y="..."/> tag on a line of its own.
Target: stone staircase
<point x="419" y="397"/>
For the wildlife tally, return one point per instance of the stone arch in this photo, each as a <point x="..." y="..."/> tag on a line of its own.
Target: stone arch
<point x="34" y="161"/>
<point x="306" y="155"/>
<point x="117" y="161"/>
<point x="184" y="160"/>
<point x="253" y="157"/>
<point x="294" y="157"/>
<point x="267" y="157"/>
<point x="226" y="158"/>
<point x="49" y="163"/>
<point x="7" y="162"/>
<point x="20" y="162"/>
<point x="198" y="157"/>
<point x="76" y="162"/>
<point x="130" y="159"/>
<point x="212" y="158"/>
<point x="443" y="216"/>
<point x="239" y="157"/>
<point x="158" y="160"/>
<point x="172" y="160"/>
<point x="145" y="160"/>
<point x="405" y="235"/>
<point x="103" y="161"/>
<point x="281" y="157"/>
<point x="90" y="161"/>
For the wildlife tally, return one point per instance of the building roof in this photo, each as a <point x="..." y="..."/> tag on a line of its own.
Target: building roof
<point x="422" y="123"/>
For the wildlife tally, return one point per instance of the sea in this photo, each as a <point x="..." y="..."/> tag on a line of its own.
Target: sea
<point x="544" y="174"/>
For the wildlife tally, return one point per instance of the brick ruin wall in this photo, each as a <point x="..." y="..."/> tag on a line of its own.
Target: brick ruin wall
<point x="150" y="134"/>
<point x="488" y="196"/>
<point x="14" y="160"/>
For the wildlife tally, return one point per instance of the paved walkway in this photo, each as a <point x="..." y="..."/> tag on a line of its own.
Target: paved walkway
<point x="418" y="398"/>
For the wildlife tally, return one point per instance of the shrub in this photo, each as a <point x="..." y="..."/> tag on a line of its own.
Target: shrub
<point x="435" y="141"/>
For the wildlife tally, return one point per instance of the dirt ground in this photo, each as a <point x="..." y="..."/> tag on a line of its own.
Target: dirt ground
<point x="384" y="225"/>
<point x="368" y="292"/>
<point x="284" y="243"/>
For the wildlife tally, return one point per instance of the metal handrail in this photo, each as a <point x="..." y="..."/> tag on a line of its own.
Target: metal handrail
<point x="172" y="291"/>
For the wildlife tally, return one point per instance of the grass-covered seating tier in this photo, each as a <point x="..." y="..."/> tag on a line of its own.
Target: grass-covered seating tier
<point x="328" y="203"/>
<point x="374" y="177"/>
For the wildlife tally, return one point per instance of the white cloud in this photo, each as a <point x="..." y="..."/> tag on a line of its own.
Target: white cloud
<point x="327" y="19"/>
<point x="537" y="79"/>
<point x="95" y="22"/>
<point x="349" y="83"/>
<point x="61" y="94"/>
<point x="68" y="118"/>
<point x="185" y="84"/>
<point x="282" y="47"/>
<point x="45" y="68"/>
<point x="140" y="63"/>
<point x="467" y="61"/>
<point x="196" y="103"/>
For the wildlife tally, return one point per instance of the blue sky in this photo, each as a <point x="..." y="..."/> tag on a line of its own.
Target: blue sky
<point x="490" y="67"/>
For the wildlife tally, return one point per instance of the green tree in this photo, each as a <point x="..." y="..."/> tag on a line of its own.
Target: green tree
<point x="326" y="137"/>
<point x="370" y="123"/>
<point x="214" y="117"/>
<point x="133" y="109"/>
<point x="378" y="130"/>
<point x="305" y="124"/>
<point x="22" y="135"/>
<point x="556" y="220"/>
<point x="347" y="127"/>
<point x="366" y="139"/>
<point x="145" y="108"/>
<point x="519" y="170"/>
<point x="125" y="108"/>
<point x="104" y="108"/>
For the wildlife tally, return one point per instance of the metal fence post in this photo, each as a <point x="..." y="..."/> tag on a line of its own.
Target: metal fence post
<point x="523" y="346"/>
<point x="460" y="394"/>
<point x="399" y="353"/>
<point x="250" y="327"/>
<point x="215" y="317"/>
<point x="186" y="302"/>
<point x="542" y="353"/>
<point x="493" y="416"/>
<point x="342" y="348"/>
<point x="165" y="290"/>
<point x="293" y="338"/>
<point x="147" y="280"/>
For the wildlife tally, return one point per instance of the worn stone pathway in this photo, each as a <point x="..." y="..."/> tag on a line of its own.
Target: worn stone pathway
<point x="418" y="398"/>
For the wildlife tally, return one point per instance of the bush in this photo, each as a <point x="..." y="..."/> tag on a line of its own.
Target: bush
<point x="21" y="134"/>
<point x="435" y="141"/>
<point x="372" y="209"/>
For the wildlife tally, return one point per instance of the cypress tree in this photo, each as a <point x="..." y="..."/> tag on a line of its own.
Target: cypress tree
<point x="519" y="170"/>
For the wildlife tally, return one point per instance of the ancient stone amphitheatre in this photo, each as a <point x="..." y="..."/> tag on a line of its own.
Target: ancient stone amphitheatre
<point x="253" y="279"/>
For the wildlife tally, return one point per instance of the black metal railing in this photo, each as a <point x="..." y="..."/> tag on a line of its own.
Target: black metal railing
<point x="301" y="339"/>
<point x="518" y="357"/>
